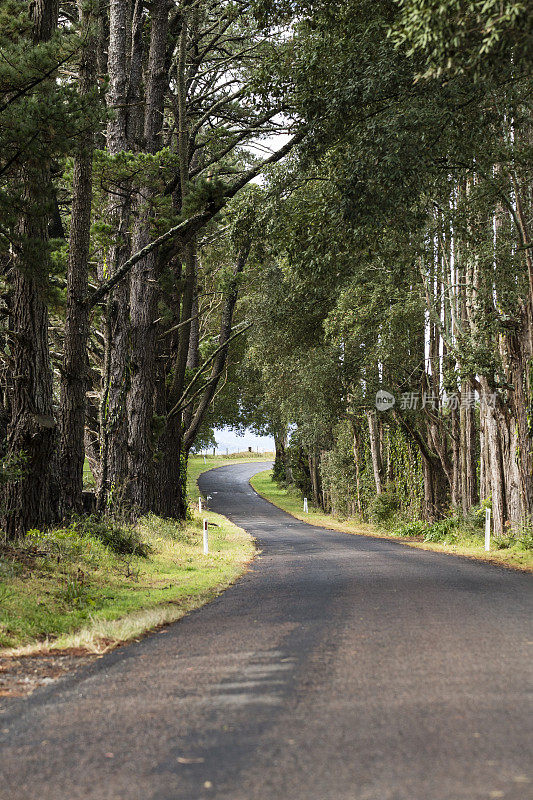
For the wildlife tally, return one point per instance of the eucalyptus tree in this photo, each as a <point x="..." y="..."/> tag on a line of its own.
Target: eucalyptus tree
<point x="447" y="160"/>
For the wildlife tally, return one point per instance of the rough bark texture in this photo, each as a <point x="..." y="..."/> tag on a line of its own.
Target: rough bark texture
<point x="468" y="450"/>
<point x="114" y="434"/>
<point x="357" y="462"/>
<point x="31" y="432"/>
<point x="144" y="288"/>
<point x="455" y="431"/>
<point x="375" y="450"/>
<point x="520" y="366"/>
<point x="170" y="500"/>
<point x="74" y="373"/>
<point x="494" y="422"/>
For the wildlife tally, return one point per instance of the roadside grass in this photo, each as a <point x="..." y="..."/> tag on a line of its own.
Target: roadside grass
<point x="451" y="539"/>
<point x="98" y="583"/>
<point x="290" y="500"/>
<point x="63" y="592"/>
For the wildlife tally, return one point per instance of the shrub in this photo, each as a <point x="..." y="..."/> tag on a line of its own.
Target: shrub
<point x="475" y="519"/>
<point x="524" y="540"/>
<point x="383" y="507"/>
<point x="414" y="528"/>
<point x="443" y="530"/>
<point x="87" y="534"/>
<point x="120" y="537"/>
<point x="521" y="538"/>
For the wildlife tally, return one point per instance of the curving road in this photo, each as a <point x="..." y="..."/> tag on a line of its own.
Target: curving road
<point x="339" y="668"/>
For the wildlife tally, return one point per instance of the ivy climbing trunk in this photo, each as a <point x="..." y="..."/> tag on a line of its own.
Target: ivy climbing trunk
<point x="375" y="450"/>
<point x="468" y="448"/>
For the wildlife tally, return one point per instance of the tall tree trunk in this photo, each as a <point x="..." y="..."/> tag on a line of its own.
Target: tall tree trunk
<point x="144" y="286"/>
<point x="114" y="433"/>
<point x="171" y="499"/>
<point x="484" y="455"/>
<point x="496" y="467"/>
<point x="521" y="373"/>
<point x="468" y="431"/>
<point x="280" y="457"/>
<point x="74" y="372"/>
<point x="357" y="462"/>
<point x="456" y="491"/>
<point x="315" y="479"/>
<point x="435" y="489"/>
<point x="31" y="432"/>
<point x="169" y="494"/>
<point x="375" y="450"/>
<point x="436" y="481"/>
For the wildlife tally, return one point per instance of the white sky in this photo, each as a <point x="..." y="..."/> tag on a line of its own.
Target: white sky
<point x="228" y="439"/>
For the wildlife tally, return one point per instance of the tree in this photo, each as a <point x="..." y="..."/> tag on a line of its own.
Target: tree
<point x="74" y="378"/>
<point x="32" y="137"/>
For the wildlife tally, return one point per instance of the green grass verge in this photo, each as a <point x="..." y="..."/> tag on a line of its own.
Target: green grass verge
<point x="68" y="589"/>
<point x="63" y="591"/>
<point x="465" y="543"/>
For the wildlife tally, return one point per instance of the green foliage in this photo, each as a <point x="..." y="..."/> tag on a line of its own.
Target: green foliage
<point x="475" y="519"/>
<point x="41" y="118"/>
<point x="205" y="194"/>
<point x="337" y="469"/>
<point x="520" y="538"/>
<point x="455" y="36"/>
<point x="119" y="537"/>
<point x="12" y="467"/>
<point x="414" y="529"/>
<point x="444" y="530"/>
<point x="75" y="593"/>
<point x="59" y="582"/>
<point x="384" y="507"/>
<point x="279" y="471"/>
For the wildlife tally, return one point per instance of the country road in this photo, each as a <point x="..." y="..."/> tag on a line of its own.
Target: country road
<point x="339" y="668"/>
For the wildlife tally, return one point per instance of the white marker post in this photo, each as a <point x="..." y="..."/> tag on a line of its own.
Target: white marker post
<point x="205" y="462"/>
<point x="206" y="538"/>
<point x="487" y="529"/>
<point x="306" y="507"/>
<point x="200" y="505"/>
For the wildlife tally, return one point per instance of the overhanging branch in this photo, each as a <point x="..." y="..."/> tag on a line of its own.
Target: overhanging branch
<point x="189" y="227"/>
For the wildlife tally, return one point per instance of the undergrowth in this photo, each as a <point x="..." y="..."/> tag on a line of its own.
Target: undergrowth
<point x="458" y="529"/>
<point x="82" y="578"/>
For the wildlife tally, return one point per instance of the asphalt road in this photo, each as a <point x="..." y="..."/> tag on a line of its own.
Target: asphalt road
<point x="339" y="668"/>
